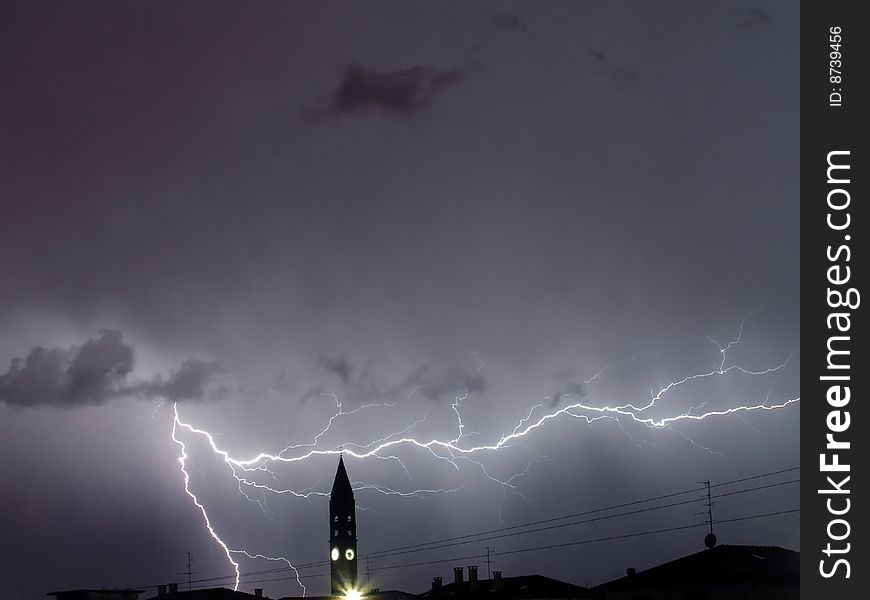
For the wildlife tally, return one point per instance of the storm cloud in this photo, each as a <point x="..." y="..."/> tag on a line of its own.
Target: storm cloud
<point x="568" y="390"/>
<point x="94" y="372"/>
<point x="338" y="366"/>
<point x="403" y="92"/>
<point x="450" y="382"/>
<point x="366" y="385"/>
<point x="605" y="67"/>
<point x="188" y="382"/>
<point x="90" y="373"/>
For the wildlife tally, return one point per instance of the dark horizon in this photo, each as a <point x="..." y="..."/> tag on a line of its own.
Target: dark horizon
<point x="513" y="261"/>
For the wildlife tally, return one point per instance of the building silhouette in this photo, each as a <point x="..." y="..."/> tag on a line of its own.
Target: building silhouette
<point x="218" y="593"/>
<point x="101" y="594"/>
<point x="523" y="587"/>
<point x="724" y="572"/>
<point x="342" y="534"/>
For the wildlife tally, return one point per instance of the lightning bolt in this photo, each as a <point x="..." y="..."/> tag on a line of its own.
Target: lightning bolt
<point x="459" y="449"/>
<point x="182" y="461"/>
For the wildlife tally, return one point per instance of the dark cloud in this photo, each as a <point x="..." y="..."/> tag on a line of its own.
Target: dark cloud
<point x="619" y="75"/>
<point x="188" y="382"/>
<point x="754" y="18"/>
<point x="364" y="385"/>
<point x="340" y="367"/>
<point x="501" y="19"/>
<point x="449" y="382"/>
<point x="87" y="374"/>
<point x="98" y="365"/>
<point x="401" y="92"/>
<point x="94" y="373"/>
<point x="507" y="21"/>
<point x="760" y="15"/>
<point x="313" y="392"/>
<point x="360" y="385"/>
<point x="596" y="54"/>
<point x="568" y="390"/>
<point x="282" y="384"/>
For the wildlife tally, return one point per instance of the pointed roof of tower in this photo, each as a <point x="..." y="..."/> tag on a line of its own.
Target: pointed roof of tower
<point x="341" y="486"/>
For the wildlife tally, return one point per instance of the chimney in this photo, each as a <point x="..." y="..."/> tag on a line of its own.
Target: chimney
<point x="258" y="592"/>
<point x="458" y="575"/>
<point x="496" y="581"/>
<point x="630" y="571"/>
<point x="472" y="580"/>
<point x="161" y="590"/>
<point x="436" y="584"/>
<point x="173" y="588"/>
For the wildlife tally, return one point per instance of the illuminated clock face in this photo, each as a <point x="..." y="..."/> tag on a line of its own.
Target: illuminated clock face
<point x="334" y="554"/>
<point x="348" y="554"/>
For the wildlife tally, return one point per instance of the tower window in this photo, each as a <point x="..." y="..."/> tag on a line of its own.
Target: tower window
<point x="348" y="519"/>
<point x="335" y="533"/>
<point x="336" y="518"/>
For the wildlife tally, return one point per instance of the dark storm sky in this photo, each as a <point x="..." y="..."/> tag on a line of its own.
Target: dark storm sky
<point x="247" y="207"/>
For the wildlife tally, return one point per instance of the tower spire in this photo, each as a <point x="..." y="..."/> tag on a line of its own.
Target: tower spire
<point x="341" y="485"/>
<point x="342" y="533"/>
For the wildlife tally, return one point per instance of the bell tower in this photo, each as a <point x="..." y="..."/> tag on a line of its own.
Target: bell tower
<point x="342" y="533"/>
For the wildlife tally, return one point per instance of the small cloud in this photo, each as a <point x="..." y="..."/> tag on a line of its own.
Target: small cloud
<point x="568" y="390"/>
<point x="507" y="21"/>
<point x="313" y="392"/>
<point x="450" y="382"/>
<point x="340" y="367"/>
<point x="753" y="18"/>
<point x="401" y="92"/>
<point x="607" y="68"/>
<point x="596" y="54"/>
<point x="282" y="384"/>
<point x="188" y="382"/>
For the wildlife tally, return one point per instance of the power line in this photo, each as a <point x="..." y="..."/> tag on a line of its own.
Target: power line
<point x="572" y="523"/>
<point x="760" y="487"/>
<point x="446" y="542"/>
<point x="751" y="477"/>
<point x="582" y="514"/>
<point x="413" y="548"/>
<point x="504" y="535"/>
<point x="770" y="514"/>
<point x="455" y="541"/>
<point x="629" y="535"/>
<point x="549" y="546"/>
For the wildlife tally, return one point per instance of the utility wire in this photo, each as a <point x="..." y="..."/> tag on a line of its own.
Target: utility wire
<point x="751" y="477"/>
<point x="584" y="513"/>
<point x="456" y="540"/>
<point x="579" y="522"/>
<point x="504" y="535"/>
<point x="431" y="545"/>
<point x="629" y="535"/>
<point x="547" y="547"/>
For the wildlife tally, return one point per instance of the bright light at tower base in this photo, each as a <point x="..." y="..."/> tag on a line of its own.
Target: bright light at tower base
<point x="353" y="594"/>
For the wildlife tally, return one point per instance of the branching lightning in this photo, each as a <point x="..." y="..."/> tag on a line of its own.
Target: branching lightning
<point x="461" y="449"/>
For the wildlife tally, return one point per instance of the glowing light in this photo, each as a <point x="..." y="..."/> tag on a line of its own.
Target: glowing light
<point x="353" y="594"/>
<point x="334" y="554"/>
